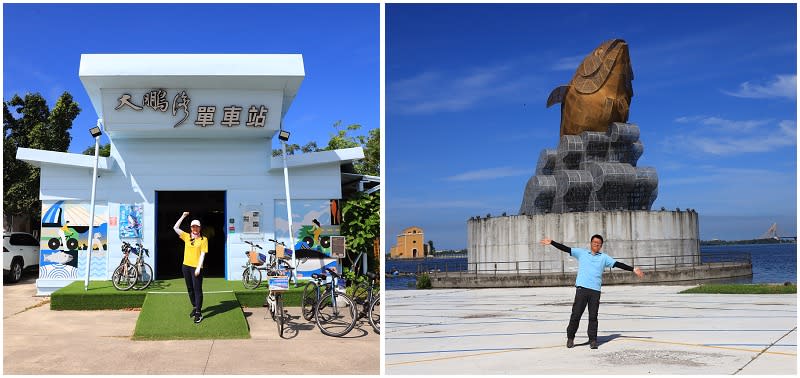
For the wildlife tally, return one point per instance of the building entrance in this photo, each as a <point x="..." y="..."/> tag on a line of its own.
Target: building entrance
<point x="206" y="206"/>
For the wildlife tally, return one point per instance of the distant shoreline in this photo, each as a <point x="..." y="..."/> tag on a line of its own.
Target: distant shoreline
<point x="751" y="241"/>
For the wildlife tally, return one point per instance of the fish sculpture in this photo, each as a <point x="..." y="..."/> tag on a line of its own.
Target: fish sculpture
<point x="600" y="92"/>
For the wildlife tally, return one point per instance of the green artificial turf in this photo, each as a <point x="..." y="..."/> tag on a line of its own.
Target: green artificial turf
<point x="103" y="296"/>
<point x="165" y="316"/>
<point x="742" y="289"/>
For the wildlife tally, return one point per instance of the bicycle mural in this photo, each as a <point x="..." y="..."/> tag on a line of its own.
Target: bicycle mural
<point x="65" y="240"/>
<point x="312" y="229"/>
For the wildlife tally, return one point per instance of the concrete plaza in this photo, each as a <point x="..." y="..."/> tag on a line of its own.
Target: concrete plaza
<point x="642" y="330"/>
<point x="37" y="340"/>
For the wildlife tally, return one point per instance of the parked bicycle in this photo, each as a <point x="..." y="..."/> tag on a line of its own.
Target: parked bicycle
<point x="334" y="312"/>
<point x="144" y="272"/>
<point x="271" y="266"/>
<point x="275" y="304"/>
<point x="124" y="277"/>
<point x="251" y="276"/>
<point x="368" y="302"/>
<point x="137" y="275"/>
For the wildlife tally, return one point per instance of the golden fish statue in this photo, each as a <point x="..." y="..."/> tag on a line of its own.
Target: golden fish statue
<point x="599" y="93"/>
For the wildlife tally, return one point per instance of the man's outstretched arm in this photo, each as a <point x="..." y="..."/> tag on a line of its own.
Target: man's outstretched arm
<point x="629" y="268"/>
<point x="560" y="246"/>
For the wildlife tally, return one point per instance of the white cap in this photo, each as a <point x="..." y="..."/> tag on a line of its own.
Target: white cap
<point x="196" y="223"/>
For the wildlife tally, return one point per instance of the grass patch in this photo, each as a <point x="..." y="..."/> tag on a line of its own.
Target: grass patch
<point x="166" y="317"/>
<point x="742" y="289"/>
<point x="255" y="298"/>
<point x="103" y="296"/>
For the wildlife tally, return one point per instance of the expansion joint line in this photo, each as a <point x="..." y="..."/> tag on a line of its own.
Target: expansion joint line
<point x="209" y="357"/>
<point x="765" y="349"/>
<point x="40" y="304"/>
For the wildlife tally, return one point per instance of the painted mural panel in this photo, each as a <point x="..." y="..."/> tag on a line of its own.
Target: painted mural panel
<point x="130" y="221"/>
<point x="65" y="240"/>
<point x="311" y="226"/>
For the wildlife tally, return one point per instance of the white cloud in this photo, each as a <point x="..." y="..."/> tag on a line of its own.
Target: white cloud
<point x="781" y="86"/>
<point x="725" y="124"/>
<point x="731" y="137"/>
<point x="434" y="91"/>
<point x="489" y="174"/>
<point x="399" y="203"/>
<point x="569" y="63"/>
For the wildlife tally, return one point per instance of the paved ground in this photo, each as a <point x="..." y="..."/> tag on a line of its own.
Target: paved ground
<point x="642" y="330"/>
<point x="40" y="341"/>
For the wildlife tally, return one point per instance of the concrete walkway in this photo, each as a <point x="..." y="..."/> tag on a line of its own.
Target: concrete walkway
<point x="37" y="340"/>
<point x="642" y="330"/>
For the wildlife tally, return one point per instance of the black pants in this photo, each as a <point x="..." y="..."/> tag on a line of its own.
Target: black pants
<point x="194" y="285"/>
<point x="584" y="296"/>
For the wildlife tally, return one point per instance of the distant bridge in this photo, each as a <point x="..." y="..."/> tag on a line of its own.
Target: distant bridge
<point x="772" y="233"/>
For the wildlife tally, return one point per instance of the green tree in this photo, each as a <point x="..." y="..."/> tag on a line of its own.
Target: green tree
<point x="37" y="127"/>
<point x="105" y="150"/>
<point x="344" y="138"/>
<point x="361" y="225"/>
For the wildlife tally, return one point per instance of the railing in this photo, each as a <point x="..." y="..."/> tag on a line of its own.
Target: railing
<point x="652" y="263"/>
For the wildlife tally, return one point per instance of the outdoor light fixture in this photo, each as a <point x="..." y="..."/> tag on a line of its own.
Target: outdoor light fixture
<point x="95" y="131"/>
<point x="283" y="135"/>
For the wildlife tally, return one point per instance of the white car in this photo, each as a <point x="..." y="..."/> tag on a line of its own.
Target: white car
<point x="20" y="252"/>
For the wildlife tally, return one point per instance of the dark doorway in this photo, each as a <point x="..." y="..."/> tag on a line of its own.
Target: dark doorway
<point x="206" y="206"/>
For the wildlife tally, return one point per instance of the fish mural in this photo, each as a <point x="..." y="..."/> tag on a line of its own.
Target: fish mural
<point x="58" y="257"/>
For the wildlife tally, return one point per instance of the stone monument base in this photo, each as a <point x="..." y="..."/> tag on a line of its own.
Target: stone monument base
<point x="638" y="238"/>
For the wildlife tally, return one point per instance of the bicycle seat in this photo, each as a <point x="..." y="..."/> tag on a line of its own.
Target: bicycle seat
<point x="319" y="276"/>
<point x="371" y="275"/>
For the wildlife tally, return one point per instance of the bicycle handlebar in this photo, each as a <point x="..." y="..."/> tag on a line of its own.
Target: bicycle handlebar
<point x="254" y="245"/>
<point x="276" y="242"/>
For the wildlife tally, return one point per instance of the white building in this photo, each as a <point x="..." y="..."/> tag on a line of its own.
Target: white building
<point x="190" y="133"/>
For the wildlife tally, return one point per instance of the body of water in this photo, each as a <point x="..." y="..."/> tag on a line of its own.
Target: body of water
<point x="772" y="263"/>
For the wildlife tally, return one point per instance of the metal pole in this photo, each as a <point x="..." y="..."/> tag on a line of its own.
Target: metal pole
<point x="91" y="212"/>
<point x="289" y="205"/>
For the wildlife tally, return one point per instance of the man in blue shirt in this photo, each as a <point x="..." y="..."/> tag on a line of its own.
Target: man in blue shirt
<point x="590" y="278"/>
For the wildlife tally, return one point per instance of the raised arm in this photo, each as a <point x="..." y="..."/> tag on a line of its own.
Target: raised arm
<point x="629" y="268"/>
<point x="177" y="226"/>
<point x="560" y="246"/>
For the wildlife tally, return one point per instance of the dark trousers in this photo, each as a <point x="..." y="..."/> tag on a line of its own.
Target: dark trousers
<point x="194" y="285"/>
<point x="584" y="296"/>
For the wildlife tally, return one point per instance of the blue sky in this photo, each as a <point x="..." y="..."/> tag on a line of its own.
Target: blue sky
<point x="340" y="44"/>
<point x="714" y="97"/>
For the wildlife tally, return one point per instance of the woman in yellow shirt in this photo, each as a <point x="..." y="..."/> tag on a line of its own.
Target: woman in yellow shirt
<point x="194" y="251"/>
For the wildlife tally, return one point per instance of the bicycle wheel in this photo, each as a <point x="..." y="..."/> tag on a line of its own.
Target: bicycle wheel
<point x="375" y="314"/>
<point x="309" y="300"/>
<point x="279" y="313"/>
<point x="336" y="317"/>
<point x="122" y="279"/>
<point x="251" y="277"/>
<point x="272" y="305"/>
<point x="360" y="297"/>
<point x="145" y="277"/>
